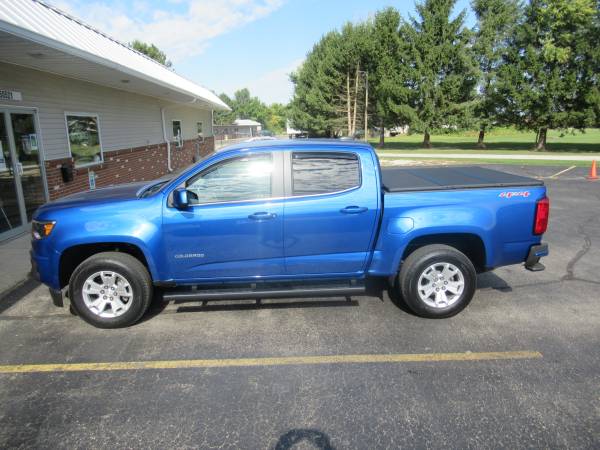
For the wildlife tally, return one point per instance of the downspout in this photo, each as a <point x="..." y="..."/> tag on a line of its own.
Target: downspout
<point x="164" y="128"/>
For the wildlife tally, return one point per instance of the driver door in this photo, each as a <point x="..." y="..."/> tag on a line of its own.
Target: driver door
<point x="233" y="228"/>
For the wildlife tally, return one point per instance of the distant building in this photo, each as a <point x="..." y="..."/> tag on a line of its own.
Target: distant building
<point x="80" y="110"/>
<point x="397" y="130"/>
<point x="240" y="128"/>
<point x="292" y="132"/>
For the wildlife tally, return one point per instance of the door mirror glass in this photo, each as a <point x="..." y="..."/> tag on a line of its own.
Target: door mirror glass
<point x="180" y="198"/>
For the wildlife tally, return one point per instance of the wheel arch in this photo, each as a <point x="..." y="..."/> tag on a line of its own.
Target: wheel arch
<point x="74" y="255"/>
<point x="471" y="244"/>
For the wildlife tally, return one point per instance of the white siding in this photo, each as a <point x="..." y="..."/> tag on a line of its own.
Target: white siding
<point x="126" y="120"/>
<point x="189" y="118"/>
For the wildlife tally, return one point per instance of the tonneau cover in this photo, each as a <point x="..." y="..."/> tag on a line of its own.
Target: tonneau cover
<point x="406" y="179"/>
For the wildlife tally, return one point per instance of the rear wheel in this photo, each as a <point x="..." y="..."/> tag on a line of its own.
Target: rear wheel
<point x="110" y="290"/>
<point x="437" y="281"/>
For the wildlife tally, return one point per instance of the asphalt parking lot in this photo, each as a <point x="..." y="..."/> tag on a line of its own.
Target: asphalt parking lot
<point x="520" y="367"/>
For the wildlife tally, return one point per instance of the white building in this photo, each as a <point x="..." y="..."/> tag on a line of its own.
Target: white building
<point x="240" y="128"/>
<point x="80" y="110"/>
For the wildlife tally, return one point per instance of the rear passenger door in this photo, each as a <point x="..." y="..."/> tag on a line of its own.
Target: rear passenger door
<point x="330" y="211"/>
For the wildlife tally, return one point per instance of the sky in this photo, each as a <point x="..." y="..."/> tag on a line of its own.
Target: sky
<point x="226" y="45"/>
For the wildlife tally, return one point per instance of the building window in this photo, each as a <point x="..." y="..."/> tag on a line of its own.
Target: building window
<point x="199" y="128"/>
<point x="177" y="136"/>
<point x="324" y="173"/>
<point x="84" y="138"/>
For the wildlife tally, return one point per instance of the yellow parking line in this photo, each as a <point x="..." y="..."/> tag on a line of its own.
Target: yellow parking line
<point x="276" y="361"/>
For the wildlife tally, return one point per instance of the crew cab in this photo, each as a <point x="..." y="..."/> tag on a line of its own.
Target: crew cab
<point x="297" y="218"/>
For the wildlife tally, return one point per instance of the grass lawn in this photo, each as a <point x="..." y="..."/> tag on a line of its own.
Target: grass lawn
<point x="519" y="162"/>
<point x="499" y="141"/>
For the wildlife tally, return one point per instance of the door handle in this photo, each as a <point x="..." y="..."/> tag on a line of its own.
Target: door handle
<point x="354" y="209"/>
<point x="262" y="215"/>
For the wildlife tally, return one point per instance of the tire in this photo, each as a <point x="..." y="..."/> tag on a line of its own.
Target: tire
<point x="430" y="296"/>
<point x="117" y="277"/>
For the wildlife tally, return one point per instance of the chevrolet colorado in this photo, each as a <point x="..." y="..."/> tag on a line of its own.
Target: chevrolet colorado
<point x="272" y="219"/>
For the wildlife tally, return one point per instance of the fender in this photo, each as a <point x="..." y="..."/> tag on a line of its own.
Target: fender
<point x="398" y="230"/>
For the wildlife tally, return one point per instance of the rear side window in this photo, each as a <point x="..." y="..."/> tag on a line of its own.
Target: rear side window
<point x="323" y="173"/>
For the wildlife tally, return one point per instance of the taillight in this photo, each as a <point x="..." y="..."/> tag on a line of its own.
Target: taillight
<point x="542" y="211"/>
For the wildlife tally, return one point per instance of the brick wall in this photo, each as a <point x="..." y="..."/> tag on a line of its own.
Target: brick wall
<point x="124" y="166"/>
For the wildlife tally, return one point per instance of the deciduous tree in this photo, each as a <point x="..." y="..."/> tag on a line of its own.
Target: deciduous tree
<point x="151" y="51"/>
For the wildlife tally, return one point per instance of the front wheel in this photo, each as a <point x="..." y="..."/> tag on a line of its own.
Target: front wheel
<point x="110" y="290"/>
<point x="437" y="281"/>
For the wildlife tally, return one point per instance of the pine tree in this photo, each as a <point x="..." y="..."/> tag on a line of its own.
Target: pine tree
<point x="496" y="21"/>
<point x="550" y="76"/>
<point x="444" y="72"/>
<point x="388" y="75"/>
<point x="316" y="106"/>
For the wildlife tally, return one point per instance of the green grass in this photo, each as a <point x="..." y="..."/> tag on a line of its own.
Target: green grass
<point x="500" y="141"/>
<point x="517" y="162"/>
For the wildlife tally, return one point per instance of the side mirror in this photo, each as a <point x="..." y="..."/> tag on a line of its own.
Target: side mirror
<point x="180" y="198"/>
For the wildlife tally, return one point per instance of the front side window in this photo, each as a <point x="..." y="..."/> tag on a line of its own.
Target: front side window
<point x="84" y="139"/>
<point x="324" y="172"/>
<point x="233" y="180"/>
<point x="177" y="137"/>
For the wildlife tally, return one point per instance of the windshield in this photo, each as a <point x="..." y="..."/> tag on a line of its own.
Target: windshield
<point x="154" y="188"/>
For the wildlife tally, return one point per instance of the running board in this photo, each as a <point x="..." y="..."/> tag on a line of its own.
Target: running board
<point x="263" y="292"/>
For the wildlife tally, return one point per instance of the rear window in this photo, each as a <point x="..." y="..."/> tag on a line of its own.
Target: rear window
<point x="324" y="173"/>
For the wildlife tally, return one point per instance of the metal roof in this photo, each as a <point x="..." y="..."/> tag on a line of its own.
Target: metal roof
<point x="41" y="23"/>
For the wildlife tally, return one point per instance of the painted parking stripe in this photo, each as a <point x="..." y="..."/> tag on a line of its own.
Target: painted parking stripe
<point x="275" y="361"/>
<point x="562" y="172"/>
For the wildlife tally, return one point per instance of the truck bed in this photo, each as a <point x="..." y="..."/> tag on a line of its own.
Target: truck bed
<point x="407" y="179"/>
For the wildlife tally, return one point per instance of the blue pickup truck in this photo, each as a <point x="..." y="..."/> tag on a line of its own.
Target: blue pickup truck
<point x="298" y="218"/>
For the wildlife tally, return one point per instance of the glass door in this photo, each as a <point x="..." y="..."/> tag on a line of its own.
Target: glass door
<point x="21" y="174"/>
<point x="28" y="161"/>
<point x="10" y="208"/>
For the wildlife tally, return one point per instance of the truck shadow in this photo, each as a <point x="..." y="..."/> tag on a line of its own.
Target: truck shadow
<point x="290" y="304"/>
<point x="377" y="288"/>
<point x="485" y="281"/>
<point x="489" y="280"/>
<point x="159" y="305"/>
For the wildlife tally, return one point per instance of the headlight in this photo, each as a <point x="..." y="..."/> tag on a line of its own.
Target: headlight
<point x="41" y="229"/>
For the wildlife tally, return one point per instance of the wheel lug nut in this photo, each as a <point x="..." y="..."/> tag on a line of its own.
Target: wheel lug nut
<point x="437" y="289"/>
<point x="102" y="292"/>
<point x="445" y="282"/>
<point x="104" y="297"/>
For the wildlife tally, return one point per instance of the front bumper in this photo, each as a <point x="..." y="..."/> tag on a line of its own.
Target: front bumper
<point x="533" y="257"/>
<point x="39" y="266"/>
